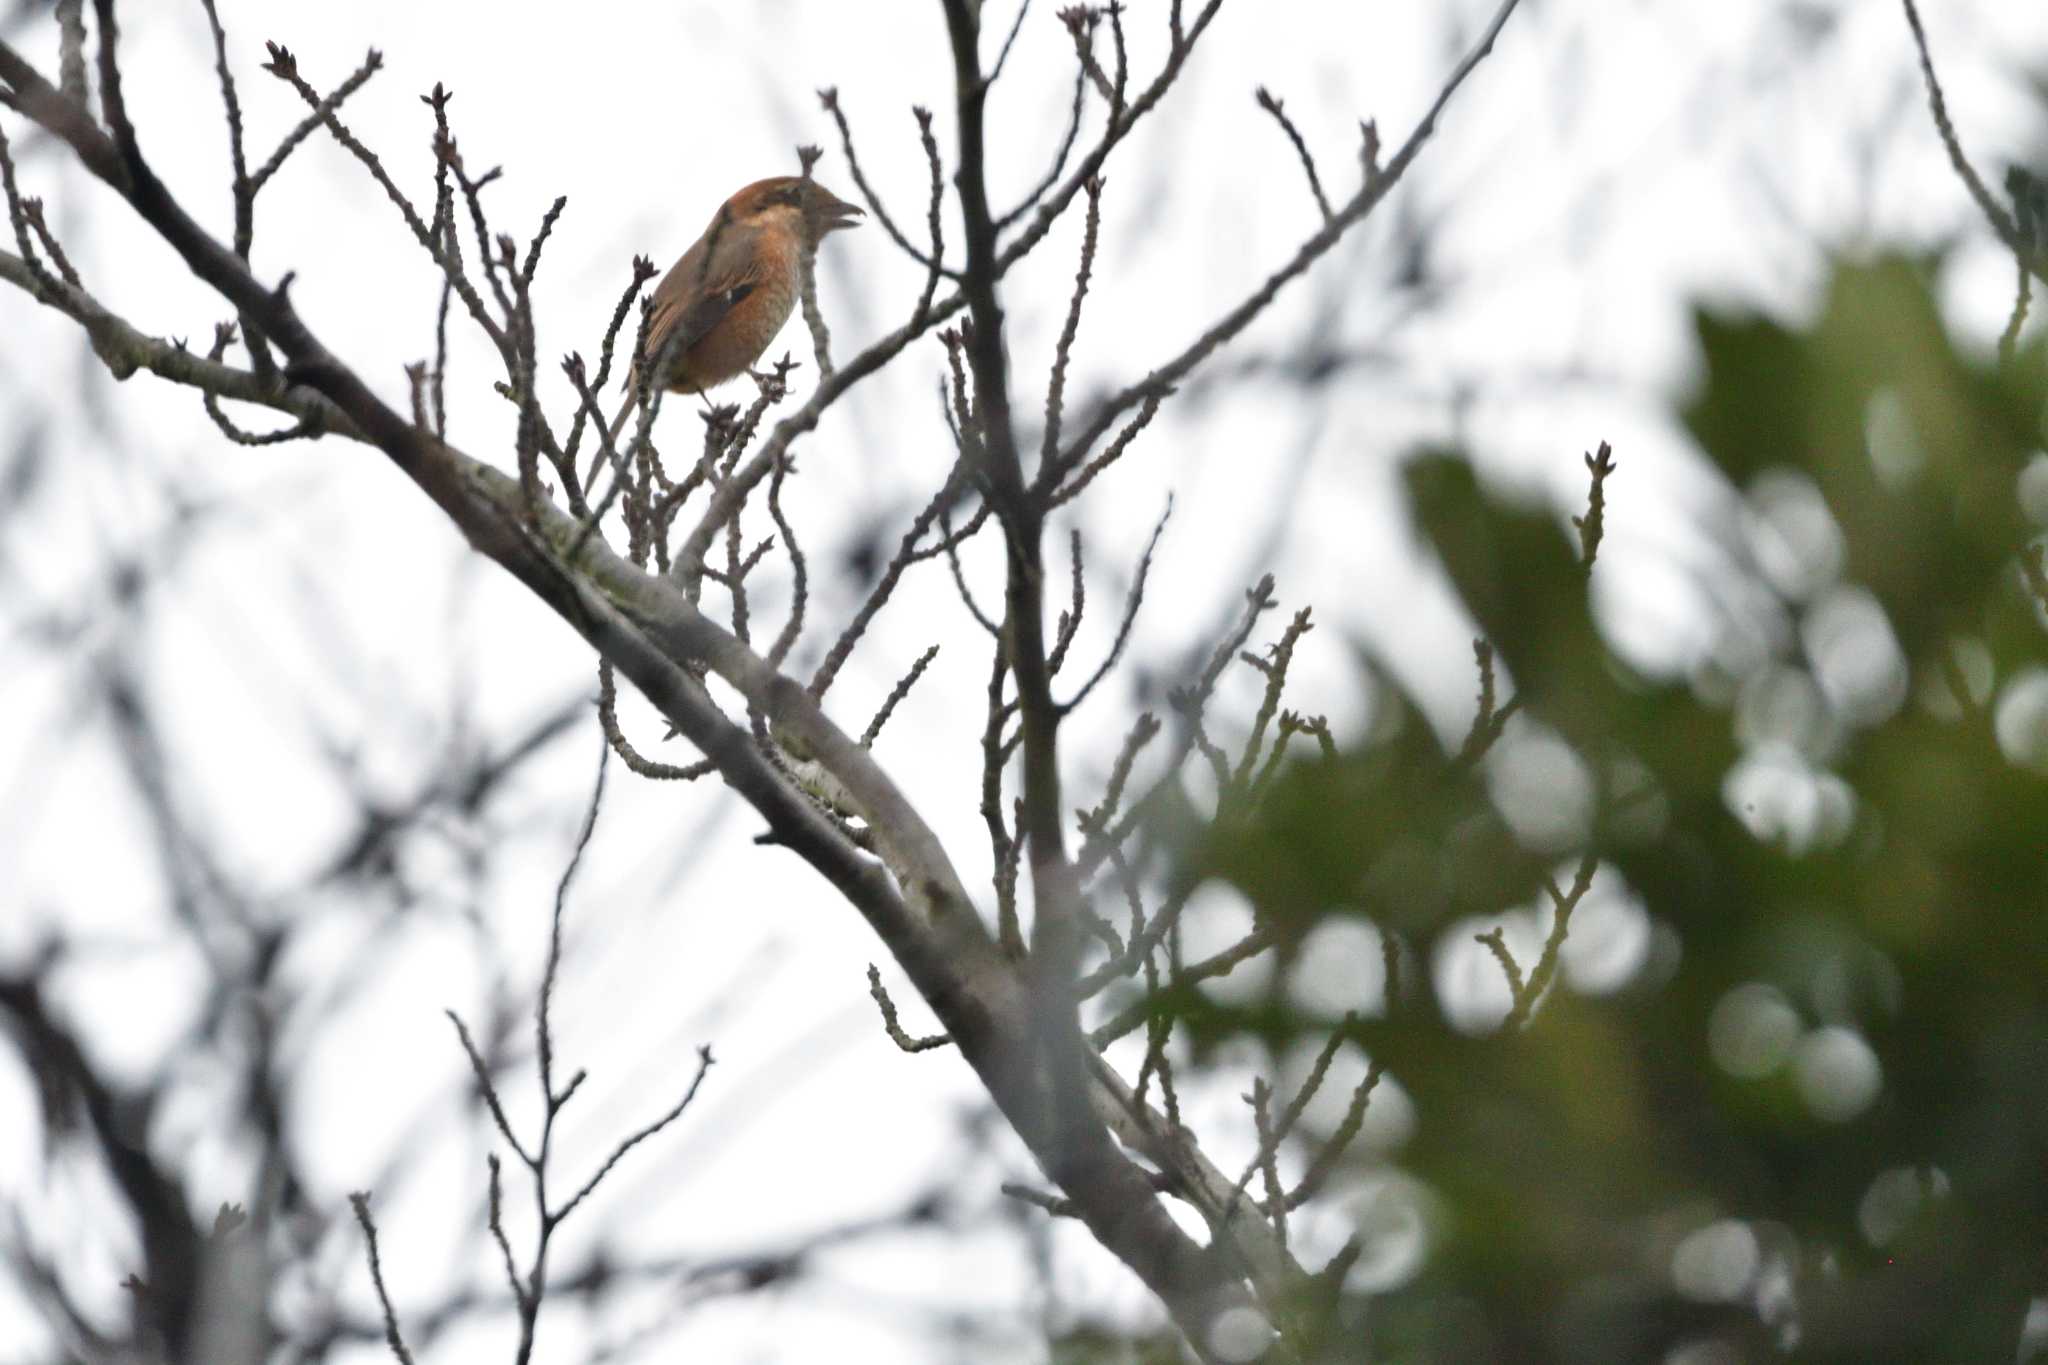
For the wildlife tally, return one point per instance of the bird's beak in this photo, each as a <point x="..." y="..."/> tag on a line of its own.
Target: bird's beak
<point x="840" y="214"/>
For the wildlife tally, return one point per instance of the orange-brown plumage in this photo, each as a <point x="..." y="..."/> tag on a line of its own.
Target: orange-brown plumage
<point x="720" y="305"/>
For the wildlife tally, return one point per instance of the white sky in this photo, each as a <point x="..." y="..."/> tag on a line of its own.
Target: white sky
<point x="1609" y="161"/>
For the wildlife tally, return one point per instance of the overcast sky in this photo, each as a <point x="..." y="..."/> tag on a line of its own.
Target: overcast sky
<point x="1610" y="163"/>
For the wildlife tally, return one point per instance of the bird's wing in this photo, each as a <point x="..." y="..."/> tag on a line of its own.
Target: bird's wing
<point x="693" y="298"/>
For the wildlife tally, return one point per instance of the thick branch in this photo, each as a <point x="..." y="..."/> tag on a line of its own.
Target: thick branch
<point x="123" y="350"/>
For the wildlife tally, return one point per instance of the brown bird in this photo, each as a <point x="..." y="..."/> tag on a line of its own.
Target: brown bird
<point x="720" y="305"/>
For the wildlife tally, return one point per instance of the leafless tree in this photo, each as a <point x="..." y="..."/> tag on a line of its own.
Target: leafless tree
<point x="620" y="539"/>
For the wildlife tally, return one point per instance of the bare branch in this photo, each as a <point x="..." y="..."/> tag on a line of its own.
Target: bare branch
<point x="360" y="1202"/>
<point x="1050" y="205"/>
<point x="1148" y="408"/>
<point x="1059" y="161"/>
<point x="2001" y="222"/>
<point x="799" y="592"/>
<point x="1070" y="619"/>
<point x="643" y="271"/>
<point x="995" y="73"/>
<point x="488" y="1088"/>
<point x="1562" y="905"/>
<point x="896" y="695"/>
<point x="1141" y="733"/>
<point x="1593" y="524"/>
<point x="544" y="1034"/>
<point x="829" y="98"/>
<point x="807" y="283"/>
<point x="1352" y="212"/>
<point x="1268" y="1164"/>
<point x="1133" y="600"/>
<point x="891" y="1025"/>
<point x="704" y="1062"/>
<point x="124" y="350"/>
<point x="496" y="1221"/>
<point x="286" y="68"/>
<point x="2008" y="340"/>
<point x="608" y="718"/>
<point x="327" y="106"/>
<point x="933" y="222"/>
<point x="305" y="428"/>
<point x="1490" y="720"/>
<point x="1189" y="700"/>
<point x="17" y="214"/>
<point x="1325" y="1163"/>
<point x="32" y="210"/>
<point x="1275" y="671"/>
<point x="878" y="596"/>
<point x="950" y="543"/>
<point x="1272" y="105"/>
<point x="1217" y="964"/>
<point x="1496" y="943"/>
<point x="1056" y="390"/>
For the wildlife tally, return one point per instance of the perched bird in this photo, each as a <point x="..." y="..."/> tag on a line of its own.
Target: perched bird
<point x="720" y="305"/>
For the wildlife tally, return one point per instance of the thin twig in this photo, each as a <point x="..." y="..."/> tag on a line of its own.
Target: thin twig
<point x="1275" y="670"/>
<point x="307" y="427"/>
<point x="1599" y="465"/>
<point x="1496" y="943"/>
<point x="1009" y="41"/>
<point x="1562" y="905"/>
<point x="1189" y="700"/>
<point x="1114" y="451"/>
<point x="1272" y="105"/>
<point x="2009" y="339"/>
<point x="487" y="1088"/>
<point x="1141" y="733"/>
<point x="17" y="213"/>
<point x="829" y="98"/>
<point x="1239" y="317"/>
<point x="1070" y="619"/>
<point x="1325" y="1162"/>
<point x="326" y="106"/>
<point x="891" y="1025"/>
<point x="360" y="1202"/>
<point x="896" y="695"/>
<point x="608" y="719"/>
<point x="878" y="596"/>
<point x="495" y="1220"/>
<point x="32" y="209"/>
<point x="704" y="1064"/>
<point x="807" y="282"/>
<point x="286" y="68"/>
<point x="1133" y="600"/>
<point x="1491" y="719"/>
<point x="544" y="1033"/>
<point x="799" y="568"/>
<point x="1994" y="213"/>
<point x="1056" y="390"/>
<point x="1059" y="160"/>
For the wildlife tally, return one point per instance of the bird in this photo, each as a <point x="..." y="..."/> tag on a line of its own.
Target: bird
<point x="717" y="308"/>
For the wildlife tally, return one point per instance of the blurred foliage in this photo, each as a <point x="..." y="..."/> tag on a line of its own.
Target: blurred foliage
<point x="1813" y="1124"/>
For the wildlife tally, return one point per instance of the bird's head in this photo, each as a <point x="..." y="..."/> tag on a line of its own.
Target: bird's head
<point x="793" y="203"/>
